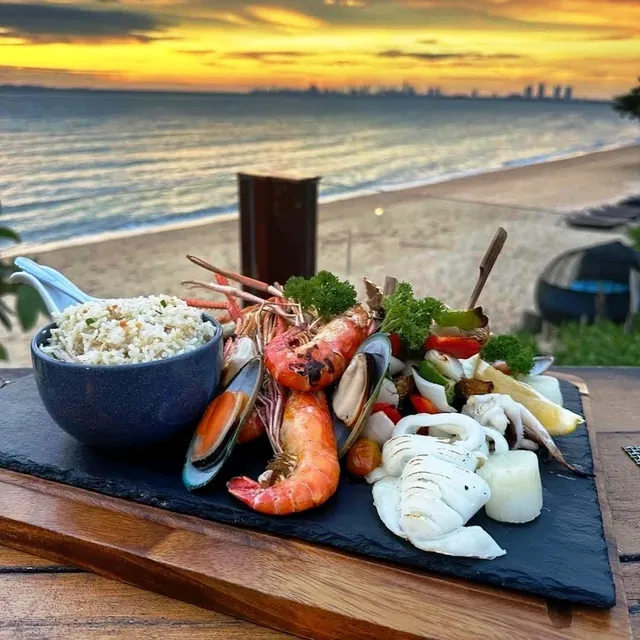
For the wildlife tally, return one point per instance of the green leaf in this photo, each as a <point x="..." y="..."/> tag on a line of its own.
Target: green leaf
<point x="29" y="306"/>
<point x="5" y="232"/>
<point x="5" y="319"/>
<point x="3" y="353"/>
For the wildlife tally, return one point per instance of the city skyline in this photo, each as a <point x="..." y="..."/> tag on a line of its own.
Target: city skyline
<point x="490" y="46"/>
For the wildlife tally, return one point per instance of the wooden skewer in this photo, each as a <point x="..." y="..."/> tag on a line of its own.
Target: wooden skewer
<point x="390" y="286"/>
<point x="490" y="257"/>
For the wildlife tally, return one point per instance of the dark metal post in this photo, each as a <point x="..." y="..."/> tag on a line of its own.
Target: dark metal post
<point x="278" y="226"/>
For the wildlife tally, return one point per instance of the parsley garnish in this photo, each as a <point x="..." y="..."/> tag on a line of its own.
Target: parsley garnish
<point x="408" y="316"/>
<point x="323" y="294"/>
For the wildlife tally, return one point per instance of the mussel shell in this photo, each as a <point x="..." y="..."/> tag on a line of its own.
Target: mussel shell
<point x="541" y="364"/>
<point x="248" y="380"/>
<point x="378" y="354"/>
<point x="352" y="391"/>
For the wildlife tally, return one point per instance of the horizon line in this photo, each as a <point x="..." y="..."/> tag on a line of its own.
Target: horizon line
<point x="347" y="92"/>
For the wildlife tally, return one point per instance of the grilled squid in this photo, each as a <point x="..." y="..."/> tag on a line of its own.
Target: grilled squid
<point x="466" y="432"/>
<point x="429" y="504"/>
<point x="503" y="413"/>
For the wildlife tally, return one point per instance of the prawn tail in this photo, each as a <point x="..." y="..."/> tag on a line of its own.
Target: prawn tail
<point x="245" y="489"/>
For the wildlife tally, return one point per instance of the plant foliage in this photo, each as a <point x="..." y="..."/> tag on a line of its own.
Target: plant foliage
<point x="16" y="301"/>
<point x="628" y="105"/>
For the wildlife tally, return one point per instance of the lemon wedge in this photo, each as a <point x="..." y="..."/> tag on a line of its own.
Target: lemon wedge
<point x="557" y="420"/>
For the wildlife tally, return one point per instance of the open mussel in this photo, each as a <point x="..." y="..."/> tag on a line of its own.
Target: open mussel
<point x="358" y="389"/>
<point x="218" y="429"/>
<point x="354" y="389"/>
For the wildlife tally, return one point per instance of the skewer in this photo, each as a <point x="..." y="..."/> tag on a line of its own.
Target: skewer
<point x="489" y="259"/>
<point x="390" y="286"/>
<point x="238" y="277"/>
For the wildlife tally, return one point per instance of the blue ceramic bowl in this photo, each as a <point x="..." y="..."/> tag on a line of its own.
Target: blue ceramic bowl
<point x="132" y="405"/>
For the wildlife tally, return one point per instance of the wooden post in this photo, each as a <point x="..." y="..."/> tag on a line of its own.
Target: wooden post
<point x="278" y="225"/>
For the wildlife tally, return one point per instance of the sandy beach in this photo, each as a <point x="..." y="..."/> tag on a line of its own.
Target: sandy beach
<point x="433" y="236"/>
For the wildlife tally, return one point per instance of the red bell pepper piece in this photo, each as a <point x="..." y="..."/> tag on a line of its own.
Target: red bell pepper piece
<point x="456" y="346"/>
<point x="392" y="413"/>
<point x="396" y="344"/>
<point x="422" y="405"/>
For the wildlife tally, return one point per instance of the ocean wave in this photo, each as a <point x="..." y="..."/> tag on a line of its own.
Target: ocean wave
<point x="80" y="165"/>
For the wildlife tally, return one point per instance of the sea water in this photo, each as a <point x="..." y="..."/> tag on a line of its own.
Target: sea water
<point x="82" y="163"/>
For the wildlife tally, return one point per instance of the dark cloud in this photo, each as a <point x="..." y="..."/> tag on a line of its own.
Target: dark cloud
<point x="426" y="56"/>
<point x="45" y="23"/>
<point x="12" y="75"/>
<point x="264" y="56"/>
<point x="200" y="53"/>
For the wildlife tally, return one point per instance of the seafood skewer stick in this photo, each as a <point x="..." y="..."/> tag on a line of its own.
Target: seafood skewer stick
<point x="237" y="277"/>
<point x="489" y="259"/>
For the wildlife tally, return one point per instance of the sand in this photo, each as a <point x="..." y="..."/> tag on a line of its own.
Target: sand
<point x="433" y="236"/>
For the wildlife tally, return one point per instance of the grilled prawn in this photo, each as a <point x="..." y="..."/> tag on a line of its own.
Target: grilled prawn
<point x="305" y="472"/>
<point x="305" y="363"/>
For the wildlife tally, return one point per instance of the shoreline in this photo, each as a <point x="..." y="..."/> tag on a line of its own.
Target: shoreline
<point x="433" y="236"/>
<point x="408" y="189"/>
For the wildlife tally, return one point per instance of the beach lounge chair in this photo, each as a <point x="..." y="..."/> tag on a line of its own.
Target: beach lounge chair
<point x="587" y="283"/>
<point x="607" y="217"/>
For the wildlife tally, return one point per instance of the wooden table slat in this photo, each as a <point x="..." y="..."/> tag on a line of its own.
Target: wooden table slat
<point x="89" y="601"/>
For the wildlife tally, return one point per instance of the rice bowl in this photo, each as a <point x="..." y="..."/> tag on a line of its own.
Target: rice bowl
<point x="127" y="331"/>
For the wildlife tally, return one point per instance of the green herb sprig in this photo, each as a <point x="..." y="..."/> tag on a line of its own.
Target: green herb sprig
<point x="510" y="349"/>
<point x="408" y="316"/>
<point x="323" y="294"/>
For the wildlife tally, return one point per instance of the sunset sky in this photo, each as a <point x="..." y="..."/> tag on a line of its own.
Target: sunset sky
<point x="491" y="45"/>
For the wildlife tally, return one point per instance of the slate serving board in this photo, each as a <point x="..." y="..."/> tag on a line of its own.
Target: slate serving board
<point x="563" y="554"/>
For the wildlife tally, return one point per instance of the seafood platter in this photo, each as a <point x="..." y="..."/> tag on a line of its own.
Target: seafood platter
<point x="392" y="427"/>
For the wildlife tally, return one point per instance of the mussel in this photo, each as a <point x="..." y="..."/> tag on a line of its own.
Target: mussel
<point x="217" y="432"/>
<point x="540" y="365"/>
<point x="354" y="388"/>
<point x="358" y="389"/>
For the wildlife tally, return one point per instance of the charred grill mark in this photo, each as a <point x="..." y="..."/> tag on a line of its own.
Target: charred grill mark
<point x="314" y="371"/>
<point x="329" y="365"/>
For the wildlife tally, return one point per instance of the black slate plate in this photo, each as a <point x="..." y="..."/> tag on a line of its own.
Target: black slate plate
<point x="562" y="554"/>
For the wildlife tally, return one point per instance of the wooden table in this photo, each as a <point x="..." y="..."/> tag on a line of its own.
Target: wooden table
<point x="40" y="599"/>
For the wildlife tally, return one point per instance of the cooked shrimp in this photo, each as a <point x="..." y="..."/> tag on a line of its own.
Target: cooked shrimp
<point x="307" y="471"/>
<point x="304" y="364"/>
<point x="252" y="429"/>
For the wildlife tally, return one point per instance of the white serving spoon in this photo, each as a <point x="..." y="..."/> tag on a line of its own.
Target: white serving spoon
<point x="57" y="291"/>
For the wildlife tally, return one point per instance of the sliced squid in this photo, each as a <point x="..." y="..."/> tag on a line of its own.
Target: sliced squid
<point x="529" y="430"/>
<point x="386" y="498"/>
<point x="447" y="365"/>
<point x="466" y="432"/>
<point x="436" y="393"/>
<point x="466" y="542"/>
<point x="499" y="411"/>
<point x="432" y="500"/>
<point x="430" y="486"/>
<point x="500" y="444"/>
<point x="401" y="449"/>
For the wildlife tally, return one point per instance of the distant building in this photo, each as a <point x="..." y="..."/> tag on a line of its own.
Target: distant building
<point x="474" y="93"/>
<point x="568" y="93"/>
<point x="557" y="92"/>
<point x="541" y="91"/>
<point x="528" y="92"/>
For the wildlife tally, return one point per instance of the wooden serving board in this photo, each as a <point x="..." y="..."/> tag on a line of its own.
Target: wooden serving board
<point x="282" y="583"/>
